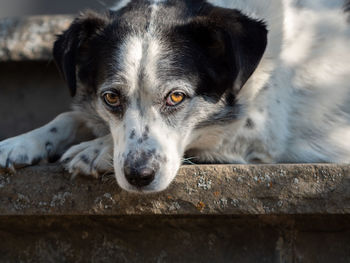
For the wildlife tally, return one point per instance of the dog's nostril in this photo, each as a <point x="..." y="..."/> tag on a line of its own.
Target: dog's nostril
<point x="139" y="177"/>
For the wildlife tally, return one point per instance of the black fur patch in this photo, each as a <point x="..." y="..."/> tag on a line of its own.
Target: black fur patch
<point x="84" y="159"/>
<point x="220" y="43"/>
<point x="132" y="134"/>
<point x="250" y="124"/>
<point x="8" y="162"/>
<point x="48" y="147"/>
<point x="66" y="160"/>
<point x="145" y="136"/>
<point x="223" y="45"/>
<point x="216" y="49"/>
<point x="53" y="130"/>
<point x="75" y="49"/>
<point x="347" y="6"/>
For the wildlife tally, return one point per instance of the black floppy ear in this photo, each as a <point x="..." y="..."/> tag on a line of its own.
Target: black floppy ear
<point x="70" y="50"/>
<point x="233" y="42"/>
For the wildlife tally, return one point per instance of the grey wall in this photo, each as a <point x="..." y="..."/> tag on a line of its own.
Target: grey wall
<point x="31" y="94"/>
<point x="10" y="8"/>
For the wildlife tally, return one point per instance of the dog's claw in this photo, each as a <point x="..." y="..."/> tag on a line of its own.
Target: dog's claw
<point x="66" y="160"/>
<point x="12" y="168"/>
<point x="74" y="175"/>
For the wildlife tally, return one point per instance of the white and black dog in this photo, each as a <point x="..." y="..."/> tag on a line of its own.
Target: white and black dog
<point x="218" y="81"/>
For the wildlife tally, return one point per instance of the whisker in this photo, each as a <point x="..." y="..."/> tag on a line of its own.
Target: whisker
<point x="188" y="160"/>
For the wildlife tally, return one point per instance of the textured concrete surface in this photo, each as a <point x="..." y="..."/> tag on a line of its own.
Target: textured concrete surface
<point x="240" y="239"/>
<point x="210" y="190"/>
<point x="30" y="38"/>
<point x="226" y="213"/>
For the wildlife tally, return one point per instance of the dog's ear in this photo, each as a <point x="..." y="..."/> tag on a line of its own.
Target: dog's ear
<point x="71" y="49"/>
<point x="233" y="42"/>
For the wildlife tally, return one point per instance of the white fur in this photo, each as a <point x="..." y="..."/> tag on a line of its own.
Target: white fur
<point x="303" y="115"/>
<point x="158" y="140"/>
<point x="307" y="67"/>
<point x="140" y="53"/>
<point x="120" y="4"/>
<point x="40" y="143"/>
<point x="90" y="158"/>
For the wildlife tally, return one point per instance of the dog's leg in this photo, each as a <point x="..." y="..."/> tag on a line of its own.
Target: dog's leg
<point x="45" y="143"/>
<point x="90" y="158"/>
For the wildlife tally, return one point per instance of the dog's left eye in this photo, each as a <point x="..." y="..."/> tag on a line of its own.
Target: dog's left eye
<point x="175" y="98"/>
<point x="111" y="99"/>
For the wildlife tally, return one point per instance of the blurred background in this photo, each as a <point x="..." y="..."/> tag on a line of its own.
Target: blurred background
<point x="11" y="8"/>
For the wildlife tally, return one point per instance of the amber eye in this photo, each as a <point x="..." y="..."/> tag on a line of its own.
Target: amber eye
<point x="175" y="98"/>
<point x="111" y="99"/>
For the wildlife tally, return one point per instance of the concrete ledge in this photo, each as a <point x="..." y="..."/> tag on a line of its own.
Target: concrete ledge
<point x="210" y="190"/>
<point x="30" y="38"/>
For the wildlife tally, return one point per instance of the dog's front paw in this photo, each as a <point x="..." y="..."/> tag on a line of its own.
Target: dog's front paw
<point x="92" y="158"/>
<point x="21" y="151"/>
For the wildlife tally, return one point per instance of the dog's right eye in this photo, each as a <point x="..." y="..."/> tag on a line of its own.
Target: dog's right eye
<point x="111" y="99"/>
<point x="175" y="98"/>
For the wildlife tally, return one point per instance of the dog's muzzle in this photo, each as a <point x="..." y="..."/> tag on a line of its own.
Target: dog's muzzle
<point x="140" y="171"/>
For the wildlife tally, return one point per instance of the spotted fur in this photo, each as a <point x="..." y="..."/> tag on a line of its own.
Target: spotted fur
<point x="264" y="82"/>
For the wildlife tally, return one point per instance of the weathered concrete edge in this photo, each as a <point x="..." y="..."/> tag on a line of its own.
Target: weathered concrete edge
<point x="207" y="189"/>
<point x="30" y="38"/>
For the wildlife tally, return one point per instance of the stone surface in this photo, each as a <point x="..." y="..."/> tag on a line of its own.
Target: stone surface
<point x="210" y="213"/>
<point x="240" y="239"/>
<point x="209" y="190"/>
<point x="30" y="38"/>
<point x="138" y="239"/>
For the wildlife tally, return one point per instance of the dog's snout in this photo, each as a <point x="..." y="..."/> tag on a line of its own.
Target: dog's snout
<point x="139" y="177"/>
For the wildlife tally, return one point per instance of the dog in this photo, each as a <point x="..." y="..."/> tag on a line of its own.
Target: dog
<point x="204" y="81"/>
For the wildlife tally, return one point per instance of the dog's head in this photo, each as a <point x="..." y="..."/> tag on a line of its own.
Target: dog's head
<point x="159" y="75"/>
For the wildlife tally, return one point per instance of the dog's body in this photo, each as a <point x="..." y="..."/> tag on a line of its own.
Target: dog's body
<point x="246" y="82"/>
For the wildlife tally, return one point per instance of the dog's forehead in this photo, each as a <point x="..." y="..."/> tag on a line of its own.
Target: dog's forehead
<point x="150" y="63"/>
<point x="138" y="60"/>
<point x="148" y="49"/>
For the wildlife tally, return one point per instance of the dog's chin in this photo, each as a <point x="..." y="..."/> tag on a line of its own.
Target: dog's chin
<point x="142" y="190"/>
<point x="149" y="189"/>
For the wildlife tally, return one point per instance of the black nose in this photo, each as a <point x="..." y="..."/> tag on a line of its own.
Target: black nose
<point x="139" y="176"/>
